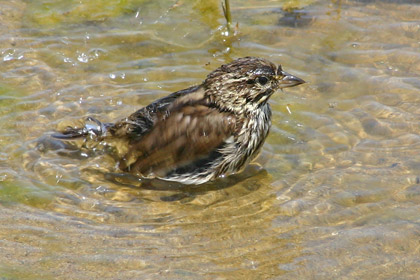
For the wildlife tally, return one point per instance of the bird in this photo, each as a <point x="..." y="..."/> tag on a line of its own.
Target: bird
<point x="201" y="133"/>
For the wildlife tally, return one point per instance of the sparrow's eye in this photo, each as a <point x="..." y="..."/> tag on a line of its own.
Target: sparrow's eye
<point x="262" y="80"/>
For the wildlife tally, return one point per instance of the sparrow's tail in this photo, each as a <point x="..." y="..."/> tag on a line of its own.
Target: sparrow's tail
<point x="93" y="128"/>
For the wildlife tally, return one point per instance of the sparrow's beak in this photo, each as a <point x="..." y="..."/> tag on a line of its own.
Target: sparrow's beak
<point x="287" y="80"/>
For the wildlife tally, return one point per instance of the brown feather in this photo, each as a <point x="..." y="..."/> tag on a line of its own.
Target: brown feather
<point x="189" y="133"/>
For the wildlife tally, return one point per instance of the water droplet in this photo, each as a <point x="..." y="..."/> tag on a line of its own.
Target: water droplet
<point x="83" y="58"/>
<point x="8" y="57"/>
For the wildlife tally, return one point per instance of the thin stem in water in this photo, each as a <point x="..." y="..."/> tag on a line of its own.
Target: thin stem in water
<point x="228" y="15"/>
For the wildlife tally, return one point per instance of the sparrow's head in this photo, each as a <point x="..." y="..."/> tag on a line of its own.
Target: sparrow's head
<point x="246" y="83"/>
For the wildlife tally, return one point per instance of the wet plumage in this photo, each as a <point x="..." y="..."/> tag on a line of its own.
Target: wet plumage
<point x="200" y="133"/>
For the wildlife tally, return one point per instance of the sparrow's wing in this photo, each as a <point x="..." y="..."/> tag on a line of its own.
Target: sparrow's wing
<point x="142" y="121"/>
<point x="191" y="133"/>
<point x="132" y="127"/>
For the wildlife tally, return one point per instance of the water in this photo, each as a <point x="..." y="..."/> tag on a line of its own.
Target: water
<point x="334" y="195"/>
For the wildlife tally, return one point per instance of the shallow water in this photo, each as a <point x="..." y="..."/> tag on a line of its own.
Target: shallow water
<point x="334" y="195"/>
